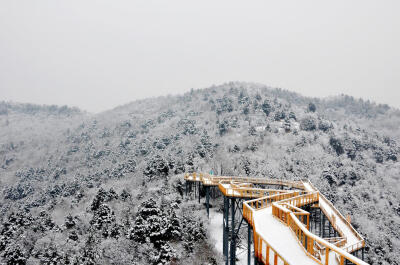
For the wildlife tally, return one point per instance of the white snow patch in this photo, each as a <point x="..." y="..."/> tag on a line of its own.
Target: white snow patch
<point x="216" y="233"/>
<point x="280" y="237"/>
<point x="215" y="228"/>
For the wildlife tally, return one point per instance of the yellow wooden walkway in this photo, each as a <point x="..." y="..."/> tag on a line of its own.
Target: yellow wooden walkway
<point x="280" y="227"/>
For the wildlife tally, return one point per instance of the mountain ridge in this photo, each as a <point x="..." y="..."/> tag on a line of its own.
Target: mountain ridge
<point x="94" y="174"/>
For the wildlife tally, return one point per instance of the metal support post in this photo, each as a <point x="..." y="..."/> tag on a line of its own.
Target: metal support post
<point x="329" y="228"/>
<point x="233" y="237"/>
<point x="208" y="200"/>
<point x="320" y="222"/>
<point x="315" y="221"/>
<point x="323" y="225"/>
<point x="248" y="244"/>
<point x="225" y="246"/>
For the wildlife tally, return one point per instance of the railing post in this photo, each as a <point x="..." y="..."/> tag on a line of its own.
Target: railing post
<point x="255" y="239"/>
<point x="326" y="256"/>
<point x="311" y="246"/>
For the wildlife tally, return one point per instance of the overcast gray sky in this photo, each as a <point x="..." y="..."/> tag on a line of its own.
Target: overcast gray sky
<point x="99" y="54"/>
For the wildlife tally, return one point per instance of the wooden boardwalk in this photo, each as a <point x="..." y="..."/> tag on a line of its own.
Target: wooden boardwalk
<point x="278" y="219"/>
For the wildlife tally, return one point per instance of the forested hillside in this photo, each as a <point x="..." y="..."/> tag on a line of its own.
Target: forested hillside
<point x="79" y="188"/>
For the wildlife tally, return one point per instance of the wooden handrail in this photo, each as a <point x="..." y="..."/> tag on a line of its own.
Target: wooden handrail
<point x="285" y="206"/>
<point x="304" y="236"/>
<point x="258" y="250"/>
<point x="212" y="180"/>
<point x="353" y="247"/>
<point x="296" y="224"/>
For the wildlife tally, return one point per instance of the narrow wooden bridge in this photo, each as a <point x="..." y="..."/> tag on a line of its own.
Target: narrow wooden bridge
<point x="290" y="222"/>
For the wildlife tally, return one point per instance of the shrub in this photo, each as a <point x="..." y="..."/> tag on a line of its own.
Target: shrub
<point x="266" y="107"/>
<point x="312" y="107"/>
<point x="156" y="166"/>
<point x="336" y="145"/>
<point x="324" y="125"/>
<point x="279" y="115"/>
<point x="308" y="123"/>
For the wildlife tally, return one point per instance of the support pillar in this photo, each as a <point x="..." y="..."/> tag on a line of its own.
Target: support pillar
<point x="316" y="219"/>
<point x="329" y="228"/>
<point x="320" y="223"/>
<point x="208" y="200"/>
<point x="199" y="191"/>
<point x="323" y="225"/>
<point x="233" y="238"/>
<point x="225" y="246"/>
<point x="248" y="244"/>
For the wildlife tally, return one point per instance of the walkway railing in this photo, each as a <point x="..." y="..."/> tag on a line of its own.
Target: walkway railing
<point x="356" y="246"/>
<point x="264" y="202"/>
<point x="286" y="207"/>
<point x="245" y="192"/>
<point x="304" y="236"/>
<point x="265" y="252"/>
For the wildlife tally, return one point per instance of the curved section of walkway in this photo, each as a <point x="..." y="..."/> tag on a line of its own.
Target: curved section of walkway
<point x="279" y="237"/>
<point x="281" y="226"/>
<point x="354" y="241"/>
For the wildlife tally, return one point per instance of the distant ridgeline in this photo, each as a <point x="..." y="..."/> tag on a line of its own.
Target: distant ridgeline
<point x="27" y="108"/>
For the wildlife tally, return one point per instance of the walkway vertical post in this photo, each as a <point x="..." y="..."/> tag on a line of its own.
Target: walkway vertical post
<point x="233" y="239"/>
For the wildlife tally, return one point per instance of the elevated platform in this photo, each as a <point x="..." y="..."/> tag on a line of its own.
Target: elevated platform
<point x="281" y="226"/>
<point x="354" y="240"/>
<point x="280" y="239"/>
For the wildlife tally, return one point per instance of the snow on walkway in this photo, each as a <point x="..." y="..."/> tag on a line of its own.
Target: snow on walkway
<point x="229" y="190"/>
<point x="280" y="237"/>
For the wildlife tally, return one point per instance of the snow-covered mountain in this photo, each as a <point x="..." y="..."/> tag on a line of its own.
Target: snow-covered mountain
<point x="79" y="188"/>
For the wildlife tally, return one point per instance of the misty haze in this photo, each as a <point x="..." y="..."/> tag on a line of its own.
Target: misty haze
<point x="179" y="132"/>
